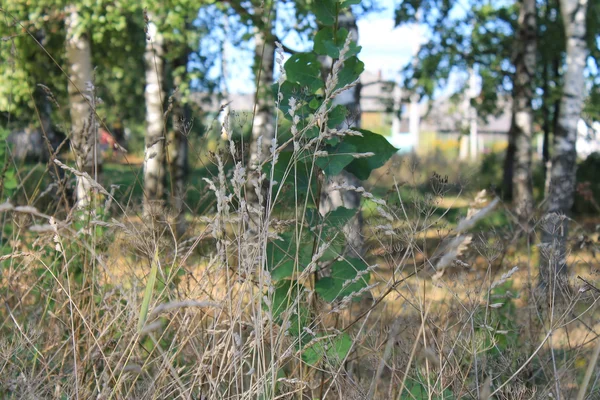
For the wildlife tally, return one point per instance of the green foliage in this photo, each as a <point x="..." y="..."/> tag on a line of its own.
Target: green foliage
<point x="331" y="350"/>
<point x="288" y="255"/>
<point x="318" y="241"/>
<point x="149" y="290"/>
<point x="369" y="142"/>
<point x="294" y="171"/>
<point x="419" y="389"/>
<point x="347" y="277"/>
<point x="338" y="157"/>
<point x="305" y="70"/>
<point x="8" y="177"/>
<point x="326" y="11"/>
<point x="350" y="72"/>
<point x="329" y="44"/>
<point x="330" y="230"/>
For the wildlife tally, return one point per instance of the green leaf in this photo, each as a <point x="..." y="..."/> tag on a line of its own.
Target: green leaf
<point x="314" y="103"/>
<point x="291" y="89"/>
<point x="330" y="230"/>
<point x="337" y="116"/>
<point x="286" y="256"/>
<point x="348" y="3"/>
<point x="338" y="158"/>
<point x="339" y="217"/>
<point x="333" y="287"/>
<point x="326" y="11"/>
<point x="292" y="169"/>
<point x="10" y="180"/>
<point x="305" y="70"/>
<point x="298" y="321"/>
<point x="333" y="351"/>
<point x="149" y="290"/>
<point x="350" y="72"/>
<point x="283" y="297"/>
<point x="369" y="142"/>
<point x="328" y="44"/>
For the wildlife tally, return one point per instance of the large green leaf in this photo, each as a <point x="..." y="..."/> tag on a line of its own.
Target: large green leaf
<point x="369" y="143"/>
<point x="326" y="11"/>
<point x="286" y="256"/>
<point x="337" y="116"/>
<point x="292" y="169"/>
<point x="332" y="287"/>
<point x="291" y="89"/>
<point x="328" y="44"/>
<point x="10" y="179"/>
<point x="305" y="70"/>
<point x="300" y="318"/>
<point x="330" y="230"/>
<point x="283" y="297"/>
<point x="338" y="158"/>
<point x="350" y="72"/>
<point x="333" y="351"/>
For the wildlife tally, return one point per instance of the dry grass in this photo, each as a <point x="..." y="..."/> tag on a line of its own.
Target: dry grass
<point x="73" y="296"/>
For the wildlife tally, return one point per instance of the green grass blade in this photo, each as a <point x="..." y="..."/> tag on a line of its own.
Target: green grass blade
<point x="148" y="292"/>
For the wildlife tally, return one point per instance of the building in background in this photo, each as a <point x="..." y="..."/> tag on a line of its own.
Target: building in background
<point x="442" y="122"/>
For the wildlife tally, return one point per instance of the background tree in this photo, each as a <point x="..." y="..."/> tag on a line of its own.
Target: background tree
<point x="263" y="125"/>
<point x="168" y="82"/>
<point x="154" y="158"/>
<point x="521" y="132"/>
<point x="84" y="128"/>
<point x="562" y="175"/>
<point x="476" y="36"/>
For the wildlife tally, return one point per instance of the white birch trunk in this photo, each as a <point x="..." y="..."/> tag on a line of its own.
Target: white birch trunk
<point x="263" y="128"/>
<point x="562" y="174"/>
<point x="154" y="169"/>
<point x="263" y="125"/>
<point x="525" y="64"/>
<point x="83" y="123"/>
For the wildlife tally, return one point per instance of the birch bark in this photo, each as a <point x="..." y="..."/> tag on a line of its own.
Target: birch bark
<point x="562" y="175"/>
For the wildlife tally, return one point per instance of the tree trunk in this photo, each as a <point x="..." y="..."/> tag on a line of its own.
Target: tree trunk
<point x="509" y="162"/>
<point x="547" y="175"/>
<point x="562" y="176"/>
<point x="154" y="171"/>
<point x="523" y="111"/>
<point x="179" y="149"/>
<point x="332" y="199"/>
<point x="263" y="126"/>
<point x="547" y="122"/>
<point x="84" y="137"/>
